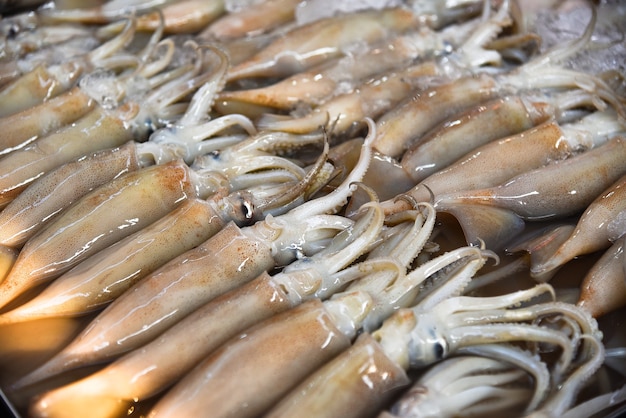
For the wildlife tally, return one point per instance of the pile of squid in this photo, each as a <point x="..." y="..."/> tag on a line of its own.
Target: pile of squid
<point x="281" y="208"/>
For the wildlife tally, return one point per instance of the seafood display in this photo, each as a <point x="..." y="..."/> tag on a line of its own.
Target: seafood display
<point x="279" y="208"/>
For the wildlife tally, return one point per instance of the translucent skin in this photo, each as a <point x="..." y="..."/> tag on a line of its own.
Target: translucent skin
<point x="314" y="43"/>
<point x="251" y="372"/>
<point x="25" y="126"/>
<point x="99" y="219"/>
<point x="601" y="224"/>
<point x="104" y="276"/>
<point x="603" y="289"/>
<point x="357" y="383"/>
<point x="51" y="194"/>
<point x="95" y="131"/>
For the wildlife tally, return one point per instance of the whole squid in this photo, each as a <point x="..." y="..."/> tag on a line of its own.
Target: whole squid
<point x="405" y="125"/>
<point x="314" y="43"/>
<point x="43" y="83"/>
<point x="559" y="189"/>
<point x="105" y="275"/>
<point x="101" y="218"/>
<point x="533" y="148"/>
<point x="126" y="380"/>
<point x="227" y="260"/>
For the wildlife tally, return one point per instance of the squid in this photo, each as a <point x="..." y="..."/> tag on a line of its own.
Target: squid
<point x="47" y="196"/>
<point x="316" y="86"/>
<point x="560" y="402"/>
<point x="602" y="223"/>
<point x="104" y="13"/>
<point x="301" y="338"/>
<point x="255" y="153"/>
<point x="554" y="191"/>
<point x="472" y="384"/>
<point x="603" y="288"/>
<point x="548" y="142"/>
<point x="43" y="82"/>
<point x="252" y="19"/>
<point x="309" y="335"/>
<point x="105" y="275"/>
<point x="41" y="42"/>
<point x="507" y="116"/>
<point x="101" y="218"/>
<point x="99" y="129"/>
<point x="346" y="111"/>
<point x="25" y="126"/>
<point x="374" y="368"/>
<point x="404" y="126"/>
<point x="381" y="94"/>
<point x="181" y="17"/>
<point x="213" y="323"/>
<point x="52" y="193"/>
<point x="312" y="44"/>
<point x="227" y="260"/>
<point x="435" y="393"/>
<point x="363" y="398"/>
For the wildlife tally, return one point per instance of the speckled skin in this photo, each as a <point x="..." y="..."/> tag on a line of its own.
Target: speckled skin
<point x="224" y="262"/>
<point x="97" y="130"/>
<point x="104" y="276"/>
<point x="99" y="219"/>
<point x="356" y="383"/>
<point x="29" y="124"/>
<point x="51" y="194"/>
<point x="249" y="374"/>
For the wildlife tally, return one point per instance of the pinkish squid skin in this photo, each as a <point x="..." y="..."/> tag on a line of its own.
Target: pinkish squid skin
<point x="405" y="126"/>
<point x="557" y="190"/>
<point x="99" y="219"/>
<point x="227" y="260"/>
<point x="224" y="262"/>
<point x="399" y="128"/>
<point x="345" y="111"/>
<point x="603" y="289"/>
<point x="23" y="127"/>
<point x="462" y="133"/>
<point x="356" y="383"/>
<point x="38" y="86"/>
<point x="47" y="197"/>
<point x="188" y="16"/>
<point x="602" y="223"/>
<point x="316" y="42"/>
<point x="151" y="368"/>
<point x="44" y="83"/>
<point x="252" y="19"/>
<point x="7" y="259"/>
<point x="304" y="338"/>
<point x="533" y="148"/>
<point x="318" y="85"/>
<point x="105" y="275"/>
<point x="95" y="131"/>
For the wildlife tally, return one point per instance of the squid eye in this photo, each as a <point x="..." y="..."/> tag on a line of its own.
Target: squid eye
<point x="13" y="31"/>
<point x="439" y="350"/>
<point x="246" y="209"/>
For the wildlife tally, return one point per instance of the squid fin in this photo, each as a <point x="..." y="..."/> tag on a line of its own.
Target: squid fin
<point x="386" y="177"/>
<point x="542" y="248"/>
<point x="492" y="225"/>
